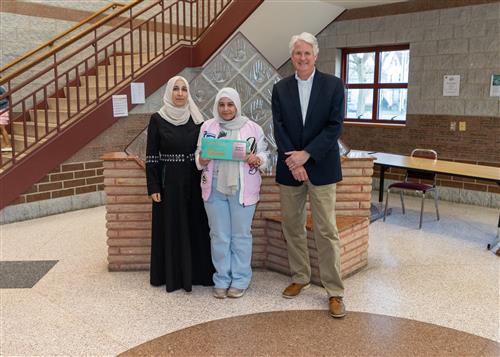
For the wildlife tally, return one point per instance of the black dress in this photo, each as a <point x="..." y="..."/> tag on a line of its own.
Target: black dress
<point x="180" y="241"/>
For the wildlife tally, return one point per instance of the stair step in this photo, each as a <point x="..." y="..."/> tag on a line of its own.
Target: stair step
<point x="18" y="128"/>
<point x="91" y="80"/>
<point x="19" y="142"/>
<point x="119" y="70"/>
<point x="126" y="65"/>
<point x="51" y="116"/>
<point x="127" y="59"/>
<point x="6" y="156"/>
<point x="63" y="104"/>
<point x="71" y="92"/>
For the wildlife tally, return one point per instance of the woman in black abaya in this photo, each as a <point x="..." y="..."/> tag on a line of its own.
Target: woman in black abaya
<point x="180" y="241"/>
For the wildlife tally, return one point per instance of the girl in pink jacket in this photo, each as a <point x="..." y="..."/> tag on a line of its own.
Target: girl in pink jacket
<point x="230" y="191"/>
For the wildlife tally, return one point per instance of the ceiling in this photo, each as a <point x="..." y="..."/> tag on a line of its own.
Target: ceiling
<point x="270" y="27"/>
<point x="352" y="4"/>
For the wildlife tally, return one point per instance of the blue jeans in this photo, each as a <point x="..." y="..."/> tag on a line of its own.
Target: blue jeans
<point x="231" y="239"/>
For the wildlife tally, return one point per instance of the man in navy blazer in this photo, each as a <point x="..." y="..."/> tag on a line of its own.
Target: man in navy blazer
<point x="308" y="112"/>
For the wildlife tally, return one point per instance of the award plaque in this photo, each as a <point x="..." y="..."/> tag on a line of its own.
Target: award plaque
<point x="223" y="149"/>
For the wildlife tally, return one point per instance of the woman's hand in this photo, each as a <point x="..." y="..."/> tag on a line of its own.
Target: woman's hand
<point x="156" y="197"/>
<point x="254" y="160"/>
<point x="203" y="162"/>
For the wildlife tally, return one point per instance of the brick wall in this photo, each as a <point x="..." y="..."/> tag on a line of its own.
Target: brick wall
<point x="353" y="236"/>
<point x="478" y="145"/>
<point x="66" y="180"/>
<point x="83" y="172"/>
<point x="129" y="208"/>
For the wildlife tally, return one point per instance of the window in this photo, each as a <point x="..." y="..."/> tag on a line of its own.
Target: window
<point x="376" y="79"/>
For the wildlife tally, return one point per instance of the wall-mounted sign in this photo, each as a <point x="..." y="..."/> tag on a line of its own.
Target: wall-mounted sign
<point x="137" y="93"/>
<point x="451" y="86"/>
<point x="495" y="85"/>
<point x="120" y="106"/>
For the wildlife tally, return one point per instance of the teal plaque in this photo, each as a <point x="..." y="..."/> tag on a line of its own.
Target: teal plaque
<point x="223" y="149"/>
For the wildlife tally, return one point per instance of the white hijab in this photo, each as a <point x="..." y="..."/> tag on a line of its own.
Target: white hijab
<point x="179" y="115"/>
<point x="228" y="176"/>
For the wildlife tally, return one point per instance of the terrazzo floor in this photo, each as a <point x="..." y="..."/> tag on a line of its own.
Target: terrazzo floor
<point x="441" y="275"/>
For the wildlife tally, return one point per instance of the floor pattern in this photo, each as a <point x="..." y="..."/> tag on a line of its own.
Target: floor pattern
<point x="416" y="280"/>
<point x="23" y="274"/>
<point x="314" y="333"/>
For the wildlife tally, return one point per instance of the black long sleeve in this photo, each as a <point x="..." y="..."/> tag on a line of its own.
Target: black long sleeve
<point x="153" y="165"/>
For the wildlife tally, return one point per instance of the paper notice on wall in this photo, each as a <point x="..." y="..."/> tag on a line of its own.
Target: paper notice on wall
<point x="495" y="85"/>
<point x="137" y="93"/>
<point x="451" y="86"/>
<point x="120" y="106"/>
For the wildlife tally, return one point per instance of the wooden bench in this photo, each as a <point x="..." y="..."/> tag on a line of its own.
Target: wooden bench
<point x="353" y="232"/>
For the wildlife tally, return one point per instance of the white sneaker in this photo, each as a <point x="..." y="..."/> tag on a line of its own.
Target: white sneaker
<point x="220" y="293"/>
<point x="235" y="292"/>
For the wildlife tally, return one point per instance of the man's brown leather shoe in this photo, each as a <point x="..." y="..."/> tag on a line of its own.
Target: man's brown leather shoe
<point x="294" y="289"/>
<point x="337" y="307"/>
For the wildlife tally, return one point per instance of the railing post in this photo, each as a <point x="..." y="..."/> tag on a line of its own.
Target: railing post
<point x="162" y="28"/>
<point x="197" y="18"/>
<point x="132" y="74"/>
<point x="11" y="111"/>
<point x="96" y="56"/>
<point x="56" y="88"/>
<point x="191" y="21"/>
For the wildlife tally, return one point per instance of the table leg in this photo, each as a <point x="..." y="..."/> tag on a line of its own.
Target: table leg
<point x="381" y="184"/>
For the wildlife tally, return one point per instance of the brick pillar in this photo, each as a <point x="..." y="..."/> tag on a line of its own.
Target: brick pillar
<point x="129" y="208"/>
<point x="128" y="215"/>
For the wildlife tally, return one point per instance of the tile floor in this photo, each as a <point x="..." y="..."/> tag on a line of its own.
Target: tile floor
<point x="441" y="274"/>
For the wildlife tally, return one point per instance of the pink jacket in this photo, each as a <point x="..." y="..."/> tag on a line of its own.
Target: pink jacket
<point x="250" y="180"/>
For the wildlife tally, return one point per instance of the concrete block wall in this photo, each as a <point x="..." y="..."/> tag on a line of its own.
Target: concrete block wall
<point x="129" y="208"/>
<point x="443" y="39"/>
<point x="460" y="40"/>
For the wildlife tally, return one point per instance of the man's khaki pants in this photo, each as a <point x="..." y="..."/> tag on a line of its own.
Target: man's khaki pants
<point x="293" y="210"/>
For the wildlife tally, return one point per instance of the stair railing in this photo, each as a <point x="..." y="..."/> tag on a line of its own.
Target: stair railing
<point x="31" y="54"/>
<point x="52" y="92"/>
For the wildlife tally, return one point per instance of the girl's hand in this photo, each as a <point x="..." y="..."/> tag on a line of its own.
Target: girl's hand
<point x="156" y="197"/>
<point x="254" y="160"/>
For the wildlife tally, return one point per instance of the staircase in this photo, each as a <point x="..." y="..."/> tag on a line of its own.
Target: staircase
<point x="62" y="99"/>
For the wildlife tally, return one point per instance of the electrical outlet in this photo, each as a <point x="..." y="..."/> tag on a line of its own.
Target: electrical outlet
<point x="453" y="126"/>
<point x="461" y="126"/>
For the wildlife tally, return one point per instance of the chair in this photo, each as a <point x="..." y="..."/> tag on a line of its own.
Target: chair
<point x="413" y="182"/>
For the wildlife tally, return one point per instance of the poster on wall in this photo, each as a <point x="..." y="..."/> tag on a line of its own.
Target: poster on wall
<point x="495" y="85"/>
<point x="120" y="106"/>
<point x="451" y="86"/>
<point x="137" y="95"/>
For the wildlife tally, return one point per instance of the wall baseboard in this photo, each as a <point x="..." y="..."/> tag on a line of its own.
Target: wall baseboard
<point x="25" y="211"/>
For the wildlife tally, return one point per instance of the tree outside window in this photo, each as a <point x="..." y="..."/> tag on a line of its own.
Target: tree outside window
<point x="376" y="79"/>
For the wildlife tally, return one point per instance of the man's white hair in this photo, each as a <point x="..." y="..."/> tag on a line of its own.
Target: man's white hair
<point x="306" y="37"/>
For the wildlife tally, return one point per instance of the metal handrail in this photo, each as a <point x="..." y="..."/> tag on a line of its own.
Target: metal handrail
<point x="66" y="43"/>
<point x="51" y="42"/>
<point x="46" y="102"/>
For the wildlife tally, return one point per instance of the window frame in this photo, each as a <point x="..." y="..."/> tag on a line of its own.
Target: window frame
<point x="376" y="85"/>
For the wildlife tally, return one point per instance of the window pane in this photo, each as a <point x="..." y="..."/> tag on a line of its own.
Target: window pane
<point x="359" y="103"/>
<point x="394" y="66"/>
<point x="361" y="67"/>
<point x="392" y="104"/>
